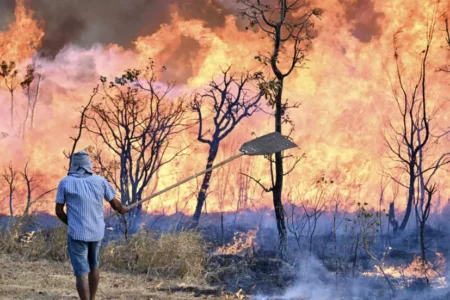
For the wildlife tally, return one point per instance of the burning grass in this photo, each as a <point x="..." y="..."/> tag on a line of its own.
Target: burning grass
<point x="171" y="255"/>
<point x="417" y="271"/>
<point x="243" y="244"/>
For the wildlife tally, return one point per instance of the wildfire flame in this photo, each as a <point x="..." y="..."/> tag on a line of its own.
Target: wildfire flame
<point x="244" y="244"/>
<point x="345" y="94"/>
<point x="405" y="275"/>
<point x="23" y="36"/>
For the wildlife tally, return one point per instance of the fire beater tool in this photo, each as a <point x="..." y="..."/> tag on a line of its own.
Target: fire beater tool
<point x="265" y="145"/>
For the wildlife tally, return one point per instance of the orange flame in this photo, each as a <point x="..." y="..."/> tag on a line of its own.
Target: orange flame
<point x="244" y="244"/>
<point x="23" y="36"/>
<point x="345" y="94"/>
<point x="434" y="273"/>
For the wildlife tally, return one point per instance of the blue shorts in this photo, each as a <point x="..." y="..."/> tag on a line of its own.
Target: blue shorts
<point x="84" y="256"/>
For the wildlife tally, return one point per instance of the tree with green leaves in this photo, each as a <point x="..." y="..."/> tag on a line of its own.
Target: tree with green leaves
<point x="289" y="25"/>
<point x="365" y="227"/>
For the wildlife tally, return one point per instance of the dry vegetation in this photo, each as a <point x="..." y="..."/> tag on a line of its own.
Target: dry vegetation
<point x="21" y="278"/>
<point x="172" y="255"/>
<point x="169" y="266"/>
<point x="49" y="244"/>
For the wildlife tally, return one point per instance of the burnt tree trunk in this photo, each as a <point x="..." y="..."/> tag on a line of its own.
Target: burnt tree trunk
<point x="278" y="186"/>
<point x="135" y="216"/>
<point x="411" y="193"/>
<point x="422" y="242"/>
<point x="136" y="219"/>
<point x="12" y="109"/>
<point x="36" y="96"/>
<point x="213" y="148"/>
<point x="124" y="190"/>
<point x="11" y="197"/>
<point x="392" y="220"/>
<point x="28" y="196"/>
<point x="355" y="257"/>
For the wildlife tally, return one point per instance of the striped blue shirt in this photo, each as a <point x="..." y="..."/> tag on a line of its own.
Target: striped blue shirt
<point x="84" y="197"/>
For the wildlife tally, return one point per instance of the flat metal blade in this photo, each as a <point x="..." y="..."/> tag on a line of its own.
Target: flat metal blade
<point x="267" y="144"/>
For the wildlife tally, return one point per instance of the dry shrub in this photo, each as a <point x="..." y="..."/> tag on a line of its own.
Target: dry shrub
<point x="50" y="243"/>
<point x="11" y="237"/>
<point x="7" y="242"/>
<point x="172" y="255"/>
<point x="18" y="239"/>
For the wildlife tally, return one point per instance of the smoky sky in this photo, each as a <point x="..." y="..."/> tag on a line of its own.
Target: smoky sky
<point x="86" y="22"/>
<point x="364" y="19"/>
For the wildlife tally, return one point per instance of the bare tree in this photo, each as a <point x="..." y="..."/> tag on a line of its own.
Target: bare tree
<point x="316" y="204"/>
<point x="305" y="208"/>
<point x="31" y="186"/>
<point x="291" y="38"/>
<point x="244" y="185"/>
<point x="27" y="90"/>
<point x="427" y="187"/>
<point x="409" y="141"/>
<point x="230" y="101"/>
<point x="447" y="39"/>
<point x="35" y="98"/>
<point x="30" y="86"/>
<point x="9" y="74"/>
<point x="80" y="127"/>
<point x="9" y="175"/>
<point x="136" y="120"/>
<point x="295" y="218"/>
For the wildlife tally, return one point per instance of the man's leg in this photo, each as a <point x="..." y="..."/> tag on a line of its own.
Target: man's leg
<point x="94" y="275"/>
<point x="83" y="287"/>
<point x="94" y="278"/>
<point x="78" y="253"/>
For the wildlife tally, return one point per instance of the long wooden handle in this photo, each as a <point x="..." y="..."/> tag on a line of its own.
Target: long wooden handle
<point x="179" y="183"/>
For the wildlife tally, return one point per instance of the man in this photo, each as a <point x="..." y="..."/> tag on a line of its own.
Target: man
<point x="83" y="193"/>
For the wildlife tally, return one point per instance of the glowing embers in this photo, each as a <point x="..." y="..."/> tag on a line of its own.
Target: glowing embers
<point x="243" y="244"/>
<point x="27" y="237"/>
<point x="417" y="271"/>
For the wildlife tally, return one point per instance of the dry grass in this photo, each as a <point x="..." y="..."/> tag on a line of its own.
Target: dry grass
<point x="45" y="244"/>
<point x="175" y="255"/>
<point x="51" y="244"/>
<point x="172" y="255"/>
<point x="173" y="265"/>
<point x="21" y="278"/>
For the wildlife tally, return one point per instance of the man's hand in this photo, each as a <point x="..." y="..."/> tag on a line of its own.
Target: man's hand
<point x="123" y="210"/>
<point x="117" y="206"/>
<point x="59" y="210"/>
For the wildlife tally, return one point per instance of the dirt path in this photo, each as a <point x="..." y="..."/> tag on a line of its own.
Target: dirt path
<point x="41" y="279"/>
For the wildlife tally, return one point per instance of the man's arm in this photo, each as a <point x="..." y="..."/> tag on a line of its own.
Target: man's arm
<point x="59" y="210"/>
<point x="117" y="206"/>
<point x="60" y="202"/>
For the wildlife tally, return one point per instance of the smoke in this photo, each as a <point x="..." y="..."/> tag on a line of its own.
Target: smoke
<point x="6" y="13"/>
<point x="85" y="23"/>
<point x="343" y="87"/>
<point x="315" y="282"/>
<point x="364" y="19"/>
